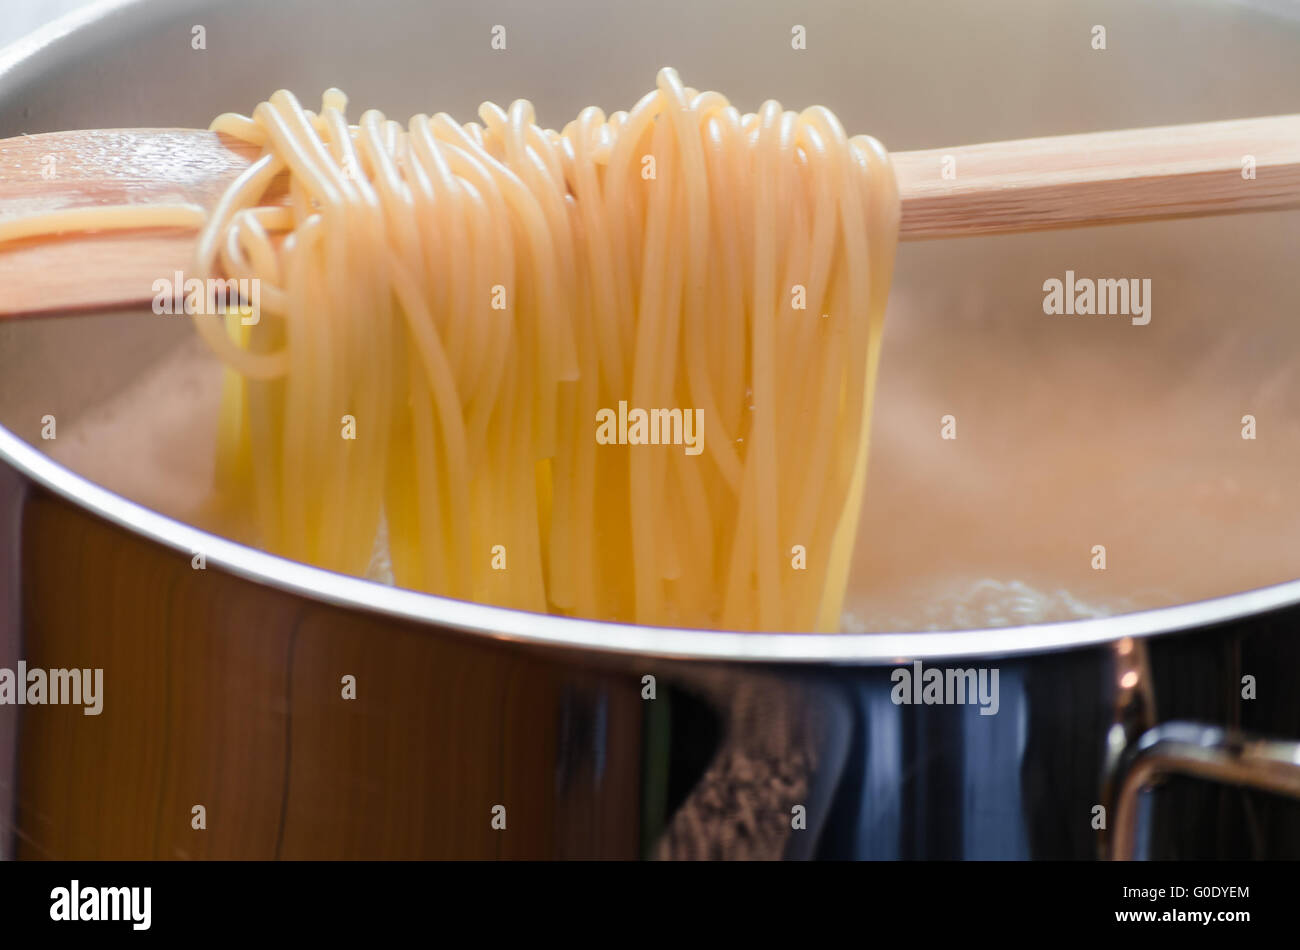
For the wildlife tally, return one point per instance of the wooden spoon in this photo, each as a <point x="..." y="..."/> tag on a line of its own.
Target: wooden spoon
<point x="998" y="188"/>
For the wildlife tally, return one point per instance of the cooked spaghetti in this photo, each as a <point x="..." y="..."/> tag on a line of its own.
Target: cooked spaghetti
<point x="453" y="317"/>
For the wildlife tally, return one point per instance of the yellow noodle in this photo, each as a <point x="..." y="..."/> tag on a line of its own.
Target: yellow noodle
<point x="472" y="296"/>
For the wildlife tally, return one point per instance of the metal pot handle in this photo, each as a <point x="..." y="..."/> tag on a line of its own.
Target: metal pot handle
<point x="1199" y="751"/>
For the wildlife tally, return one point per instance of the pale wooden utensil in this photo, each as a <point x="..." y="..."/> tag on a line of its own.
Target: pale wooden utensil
<point x="998" y="188"/>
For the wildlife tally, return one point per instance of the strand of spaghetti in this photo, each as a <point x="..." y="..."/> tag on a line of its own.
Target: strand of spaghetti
<point x="437" y="375"/>
<point x="464" y="341"/>
<point x="290" y="128"/>
<point x="496" y="270"/>
<point x="647" y="524"/>
<point x="247" y="188"/>
<point x="103" y="218"/>
<point x="870" y="156"/>
<point x="763" y="449"/>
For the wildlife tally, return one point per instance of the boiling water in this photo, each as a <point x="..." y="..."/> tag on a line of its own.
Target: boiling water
<point x="153" y="443"/>
<point x="1074" y="435"/>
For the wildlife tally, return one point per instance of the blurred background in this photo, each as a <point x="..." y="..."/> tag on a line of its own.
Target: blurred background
<point x="23" y="16"/>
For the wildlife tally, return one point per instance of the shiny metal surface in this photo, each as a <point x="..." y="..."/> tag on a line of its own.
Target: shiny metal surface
<point x="1205" y="752"/>
<point x="224" y="684"/>
<point x="226" y="693"/>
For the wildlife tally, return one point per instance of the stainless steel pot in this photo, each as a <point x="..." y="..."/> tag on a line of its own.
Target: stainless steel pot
<point x="223" y="685"/>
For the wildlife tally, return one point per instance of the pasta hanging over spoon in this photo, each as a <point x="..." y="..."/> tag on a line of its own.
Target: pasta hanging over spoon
<point x="474" y="299"/>
<point x="623" y="371"/>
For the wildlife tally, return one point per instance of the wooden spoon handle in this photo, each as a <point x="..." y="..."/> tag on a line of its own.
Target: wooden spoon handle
<point x="1002" y="187"/>
<point x="1069" y="181"/>
<point x="56" y="171"/>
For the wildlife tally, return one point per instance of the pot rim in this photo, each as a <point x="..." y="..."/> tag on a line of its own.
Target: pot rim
<point x="72" y="31"/>
<point x="518" y="626"/>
